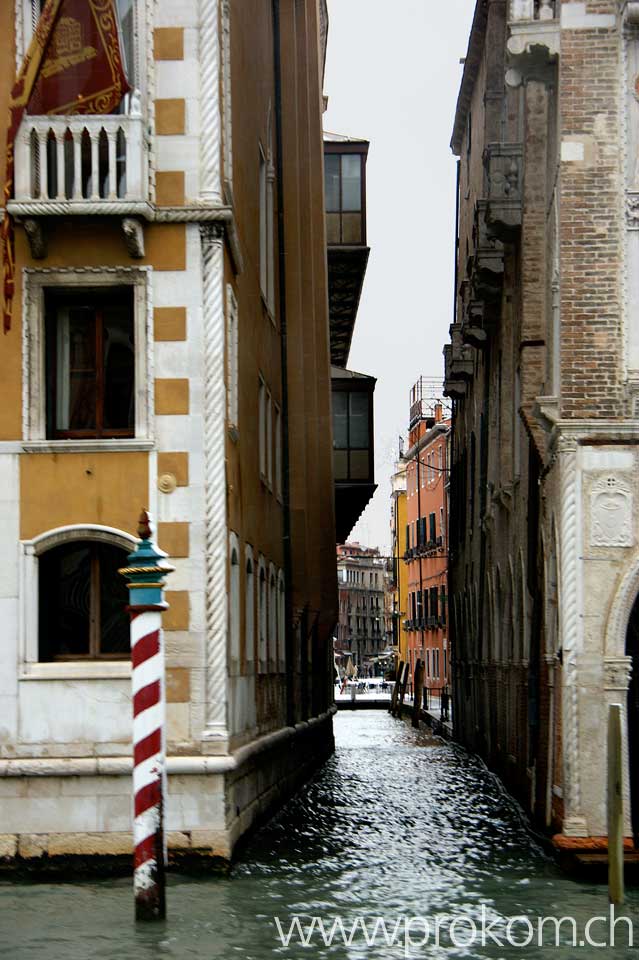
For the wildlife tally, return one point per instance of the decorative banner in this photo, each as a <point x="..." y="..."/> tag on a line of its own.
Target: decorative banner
<point x="73" y="65"/>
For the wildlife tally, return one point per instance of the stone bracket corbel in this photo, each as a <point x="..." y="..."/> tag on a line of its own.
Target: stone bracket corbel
<point x="36" y="237"/>
<point x="133" y="237"/>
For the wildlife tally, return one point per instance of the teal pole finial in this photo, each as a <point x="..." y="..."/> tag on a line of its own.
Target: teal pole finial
<point x="146" y="570"/>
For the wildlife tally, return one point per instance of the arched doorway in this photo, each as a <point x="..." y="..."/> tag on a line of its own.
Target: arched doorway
<point x="632" y="650"/>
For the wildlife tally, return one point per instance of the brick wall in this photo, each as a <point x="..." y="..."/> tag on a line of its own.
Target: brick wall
<point x="591" y="231"/>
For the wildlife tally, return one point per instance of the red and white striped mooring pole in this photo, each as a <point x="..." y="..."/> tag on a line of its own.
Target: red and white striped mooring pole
<point x="145" y="574"/>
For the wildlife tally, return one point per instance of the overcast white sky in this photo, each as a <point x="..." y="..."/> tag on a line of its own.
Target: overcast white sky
<point x="392" y="77"/>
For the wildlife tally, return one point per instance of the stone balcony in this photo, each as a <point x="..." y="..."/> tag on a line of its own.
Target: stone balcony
<point x="534" y="38"/>
<point x="89" y="165"/>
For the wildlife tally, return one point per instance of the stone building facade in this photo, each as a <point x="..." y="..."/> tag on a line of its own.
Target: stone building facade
<point x="543" y="367"/>
<point x="194" y="244"/>
<point x="362" y="635"/>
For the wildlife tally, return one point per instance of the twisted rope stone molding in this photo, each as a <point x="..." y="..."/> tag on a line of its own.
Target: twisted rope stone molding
<point x="215" y="535"/>
<point x="194" y="213"/>
<point x="567" y="450"/>
<point x="227" y="133"/>
<point x="210" y="120"/>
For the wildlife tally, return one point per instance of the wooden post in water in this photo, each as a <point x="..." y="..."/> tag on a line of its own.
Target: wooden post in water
<point x="402" y="692"/>
<point x="418" y="687"/>
<point x="393" y="706"/>
<point x="615" y="807"/>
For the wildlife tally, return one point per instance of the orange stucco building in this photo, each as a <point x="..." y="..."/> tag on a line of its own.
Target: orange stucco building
<point x="426" y="548"/>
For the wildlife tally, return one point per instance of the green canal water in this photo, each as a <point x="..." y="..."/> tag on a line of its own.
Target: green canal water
<point x="398" y="828"/>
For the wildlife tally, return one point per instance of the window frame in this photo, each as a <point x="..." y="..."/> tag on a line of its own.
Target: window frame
<point x="347" y="388"/>
<point x="30" y="666"/>
<point x="34" y="386"/>
<point x="249" y="609"/>
<point x="262" y="615"/>
<point x="261" y="426"/>
<point x="234" y="665"/>
<point x="341" y="150"/>
<point x="232" y="359"/>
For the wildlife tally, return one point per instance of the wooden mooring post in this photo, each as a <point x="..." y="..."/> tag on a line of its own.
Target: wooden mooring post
<point x="145" y="575"/>
<point x="615" y="807"/>
<point x="418" y="688"/>
<point x="402" y="690"/>
<point x="398" y="675"/>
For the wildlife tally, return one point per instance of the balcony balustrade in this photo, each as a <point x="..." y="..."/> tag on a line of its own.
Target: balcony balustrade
<point x="80" y="164"/>
<point x="532" y="10"/>
<point x="534" y="40"/>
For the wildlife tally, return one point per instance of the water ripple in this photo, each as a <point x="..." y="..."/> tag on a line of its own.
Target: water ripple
<point x="396" y="824"/>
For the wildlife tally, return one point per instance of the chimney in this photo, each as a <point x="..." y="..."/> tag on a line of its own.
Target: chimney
<point x="439" y="413"/>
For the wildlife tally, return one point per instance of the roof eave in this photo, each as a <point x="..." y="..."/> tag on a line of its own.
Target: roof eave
<point x="471" y="69"/>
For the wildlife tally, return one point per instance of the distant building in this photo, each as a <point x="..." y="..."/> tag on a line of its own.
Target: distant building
<point x="398" y="580"/>
<point x="425" y="552"/>
<point x="363" y="634"/>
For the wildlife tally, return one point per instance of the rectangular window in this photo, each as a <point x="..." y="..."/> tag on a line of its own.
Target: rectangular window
<point x="267" y="257"/>
<point x="433" y="527"/>
<point x="434" y="611"/>
<point x="278" y="452"/>
<point x="351" y="435"/>
<point x="343" y="187"/>
<point x="262" y="428"/>
<point x="90" y="363"/>
<point x="269" y="440"/>
<point x="263" y="229"/>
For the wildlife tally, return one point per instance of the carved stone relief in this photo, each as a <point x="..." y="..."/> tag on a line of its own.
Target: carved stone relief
<point x="611" y="513"/>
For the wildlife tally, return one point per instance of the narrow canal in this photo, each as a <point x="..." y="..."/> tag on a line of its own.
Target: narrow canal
<point x="397" y="825"/>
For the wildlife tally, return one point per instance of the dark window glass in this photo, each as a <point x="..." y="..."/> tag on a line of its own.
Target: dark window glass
<point x="82" y="600"/>
<point x="351" y="182"/>
<point x="331" y="182"/>
<point x="358" y="420"/>
<point x="433" y="602"/>
<point x="90" y="363"/>
<point x="340" y="420"/>
<point x="433" y="527"/>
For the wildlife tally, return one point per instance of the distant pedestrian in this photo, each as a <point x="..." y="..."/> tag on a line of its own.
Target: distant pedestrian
<point x="445" y="702"/>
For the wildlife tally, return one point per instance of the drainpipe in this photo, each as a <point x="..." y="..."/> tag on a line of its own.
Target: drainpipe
<point x="286" y="479"/>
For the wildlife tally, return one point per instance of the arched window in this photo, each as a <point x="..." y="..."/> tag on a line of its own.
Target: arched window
<point x="82" y="602"/>
<point x="234" y="605"/>
<point x="262" y="616"/>
<point x="272" y="619"/>
<point x="249" y="611"/>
